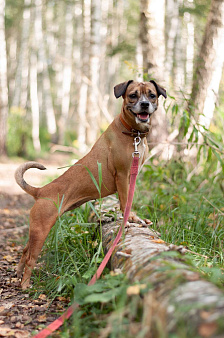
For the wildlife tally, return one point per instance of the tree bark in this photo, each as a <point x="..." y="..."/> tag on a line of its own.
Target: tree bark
<point x="95" y="51"/>
<point x="67" y="72"/>
<point x="152" y="37"/>
<point x="153" y="48"/>
<point x="22" y="71"/>
<point x="85" y="68"/>
<point x="171" y="28"/>
<point x="46" y="89"/>
<point x="3" y="82"/>
<point x="179" y="298"/>
<point x="209" y="66"/>
<point x="34" y="102"/>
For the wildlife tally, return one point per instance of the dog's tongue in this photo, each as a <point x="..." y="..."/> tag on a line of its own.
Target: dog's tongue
<point x="143" y="116"/>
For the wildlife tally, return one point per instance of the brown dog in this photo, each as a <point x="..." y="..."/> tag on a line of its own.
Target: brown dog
<point x="113" y="150"/>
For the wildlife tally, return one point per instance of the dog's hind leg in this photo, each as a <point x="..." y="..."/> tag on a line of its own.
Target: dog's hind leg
<point x="22" y="261"/>
<point x="43" y="216"/>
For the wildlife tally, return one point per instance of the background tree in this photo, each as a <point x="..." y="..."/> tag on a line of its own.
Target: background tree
<point x="152" y="30"/>
<point x="3" y="81"/>
<point x="85" y="48"/>
<point x="209" y="65"/>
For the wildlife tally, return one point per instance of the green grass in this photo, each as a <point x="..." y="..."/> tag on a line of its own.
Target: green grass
<point x="185" y="213"/>
<point x="70" y="255"/>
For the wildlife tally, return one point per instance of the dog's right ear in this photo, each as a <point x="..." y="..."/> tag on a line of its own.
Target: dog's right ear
<point x="120" y="89"/>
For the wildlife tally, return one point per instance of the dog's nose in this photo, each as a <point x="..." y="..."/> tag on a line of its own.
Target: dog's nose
<point x="144" y="104"/>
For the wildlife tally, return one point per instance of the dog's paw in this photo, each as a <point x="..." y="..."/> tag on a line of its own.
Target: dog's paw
<point x="133" y="218"/>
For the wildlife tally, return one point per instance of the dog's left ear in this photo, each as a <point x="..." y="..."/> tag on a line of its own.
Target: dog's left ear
<point x="160" y="90"/>
<point x="121" y="88"/>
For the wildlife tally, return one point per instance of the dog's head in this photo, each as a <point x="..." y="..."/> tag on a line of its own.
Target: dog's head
<point x="140" y="100"/>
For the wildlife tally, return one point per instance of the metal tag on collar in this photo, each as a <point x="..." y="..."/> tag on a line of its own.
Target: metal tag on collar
<point x="137" y="141"/>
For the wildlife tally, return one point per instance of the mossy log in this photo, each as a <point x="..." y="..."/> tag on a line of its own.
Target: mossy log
<point x="180" y="302"/>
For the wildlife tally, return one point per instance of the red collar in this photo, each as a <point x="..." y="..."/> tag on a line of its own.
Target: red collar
<point x="131" y="132"/>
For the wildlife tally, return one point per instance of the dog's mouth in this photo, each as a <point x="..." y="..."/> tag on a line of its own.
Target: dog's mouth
<point x="142" y="117"/>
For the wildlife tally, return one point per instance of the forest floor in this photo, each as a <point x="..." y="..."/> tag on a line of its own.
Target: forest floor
<point x="20" y="313"/>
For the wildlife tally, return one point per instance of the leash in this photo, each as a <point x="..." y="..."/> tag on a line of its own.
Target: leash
<point x="133" y="176"/>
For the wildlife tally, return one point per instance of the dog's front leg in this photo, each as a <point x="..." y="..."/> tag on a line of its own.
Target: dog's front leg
<point x="122" y="184"/>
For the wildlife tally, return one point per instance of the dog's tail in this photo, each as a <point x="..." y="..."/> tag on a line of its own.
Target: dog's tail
<point x="20" y="180"/>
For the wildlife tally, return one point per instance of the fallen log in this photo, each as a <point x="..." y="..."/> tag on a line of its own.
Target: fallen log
<point x="180" y="300"/>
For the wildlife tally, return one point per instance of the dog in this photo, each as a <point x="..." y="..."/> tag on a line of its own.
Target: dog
<point x="113" y="150"/>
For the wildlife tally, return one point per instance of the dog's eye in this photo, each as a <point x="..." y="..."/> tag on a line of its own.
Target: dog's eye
<point x="133" y="96"/>
<point x="152" y="96"/>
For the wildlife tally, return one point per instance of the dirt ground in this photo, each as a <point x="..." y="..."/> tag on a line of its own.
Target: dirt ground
<point x="20" y="315"/>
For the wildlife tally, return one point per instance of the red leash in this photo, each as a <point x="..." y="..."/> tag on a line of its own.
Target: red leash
<point x="133" y="175"/>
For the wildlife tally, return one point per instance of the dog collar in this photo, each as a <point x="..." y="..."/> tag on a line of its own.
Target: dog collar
<point x="131" y="132"/>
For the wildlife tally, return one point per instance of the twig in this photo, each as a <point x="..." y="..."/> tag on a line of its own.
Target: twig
<point x="186" y="143"/>
<point x="195" y="253"/>
<point x="213" y="206"/>
<point x="17" y="229"/>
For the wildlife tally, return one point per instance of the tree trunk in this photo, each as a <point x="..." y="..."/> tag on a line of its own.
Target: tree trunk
<point x="22" y="72"/>
<point x="3" y="82"/>
<point x="209" y="66"/>
<point x="46" y="95"/>
<point x="153" y="48"/>
<point x="83" y="97"/>
<point x="95" y="48"/>
<point x="189" y="67"/>
<point x="152" y="37"/>
<point x="67" y="72"/>
<point x="178" y="70"/>
<point x="179" y="299"/>
<point x="34" y="102"/>
<point x="171" y="28"/>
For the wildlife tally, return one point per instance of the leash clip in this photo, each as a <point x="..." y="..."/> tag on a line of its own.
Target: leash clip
<point x="137" y="141"/>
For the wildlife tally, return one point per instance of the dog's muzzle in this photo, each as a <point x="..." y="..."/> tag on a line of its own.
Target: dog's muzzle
<point x="142" y="111"/>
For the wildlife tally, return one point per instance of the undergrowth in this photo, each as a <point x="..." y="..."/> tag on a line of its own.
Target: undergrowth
<point x="185" y="212"/>
<point x="70" y="254"/>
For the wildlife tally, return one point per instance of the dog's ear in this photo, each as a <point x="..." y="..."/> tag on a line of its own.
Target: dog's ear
<point x="160" y="90"/>
<point x="120" y="89"/>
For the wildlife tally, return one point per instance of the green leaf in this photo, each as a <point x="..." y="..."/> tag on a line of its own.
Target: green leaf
<point x="196" y="134"/>
<point x="100" y="174"/>
<point x="218" y="157"/>
<point x="105" y="296"/>
<point x="93" y="179"/>
<point x="199" y="153"/>
<point x="209" y="156"/>
<point x="80" y="292"/>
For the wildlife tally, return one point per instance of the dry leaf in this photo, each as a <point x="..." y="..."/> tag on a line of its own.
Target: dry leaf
<point x="207" y="329"/>
<point x="21" y="334"/>
<point x="42" y="318"/>
<point x="213" y="216"/>
<point x="5" y="332"/>
<point x="62" y="299"/>
<point x="42" y="296"/>
<point x="192" y="276"/>
<point x="135" y="289"/>
<point x="9" y="258"/>
<point x="205" y="314"/>
<point x="2" y="308"/>
<point x="159" y="241"/>
<point x="147" y="221"/>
